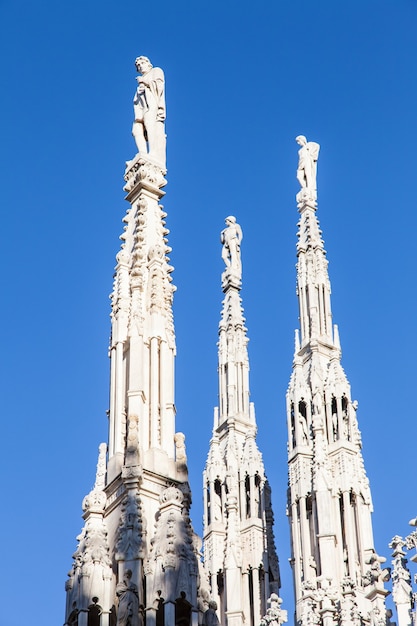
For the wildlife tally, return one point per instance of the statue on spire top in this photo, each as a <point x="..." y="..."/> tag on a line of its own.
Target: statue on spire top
<point x="307" y="164"/>
<point x="231" y="238"/>
<point x="149" y="109"/>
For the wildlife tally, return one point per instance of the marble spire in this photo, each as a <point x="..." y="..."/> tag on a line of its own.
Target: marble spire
<point x="239" y="549"/>
<point x="138" y="554"/>
<point x="337" y="573"/>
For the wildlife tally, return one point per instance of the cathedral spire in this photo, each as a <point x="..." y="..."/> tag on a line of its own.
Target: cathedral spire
<point x="337" y="573"/>
<point x="313" y="285"/>
<point x="240" y="555"/>
<point x="233" y="354"/>
<point x="143" y="576"/>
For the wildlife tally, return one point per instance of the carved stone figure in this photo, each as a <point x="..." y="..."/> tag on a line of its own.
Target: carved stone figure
<point x="307" y="163"/>
<point x="303" y="427"/>
<point x="149" y="109"/>
<point x="376" y="575"/>
<point x="180" y="453"/>
<point x="231" y="238"/>
<point x="127" y="592"/>
<point x="335" y="426"/>
<point x="275" y="616"/>
<point x="210" y="616"/>
<point x="217" y="507"/>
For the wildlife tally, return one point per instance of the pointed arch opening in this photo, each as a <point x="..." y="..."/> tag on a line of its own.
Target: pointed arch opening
<point x="182" y="611"/>
<point x="217" y="504"/>
<point x="257" y="502"/>
<point x="292" y="426"/>
<point x="94" y="613"/>
<point x="302" y="419"/>
<point x="208" y="504"/>
<point x="335" y="419"/>
<point x="345" y="418"/>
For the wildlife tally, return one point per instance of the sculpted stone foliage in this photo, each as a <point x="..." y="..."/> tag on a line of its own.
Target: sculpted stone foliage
<point x="91" y="558"/>
<point x="142" y="171"/>
<point x="400" y="575"/>
<point x="172" y="548"/>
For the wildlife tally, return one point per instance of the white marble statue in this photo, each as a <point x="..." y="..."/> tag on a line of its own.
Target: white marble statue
<point x="307" y="163"/>
<point x="149" y="109"/>
<point x="128" y="611"/>
<point x="231" y="238"/>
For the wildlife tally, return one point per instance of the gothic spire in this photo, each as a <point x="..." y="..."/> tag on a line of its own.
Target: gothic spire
<point x="313" y="285"/>
<point x="335" y="566"/>
<point x="240" y="555"/>
<point x="233" y="341"/>
<point x="147" y="476"/>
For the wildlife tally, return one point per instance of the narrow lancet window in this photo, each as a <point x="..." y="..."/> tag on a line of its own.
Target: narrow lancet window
<point x="292" y="425"/>
<point x="335" y="422"/>
<point x="208" y="505"/>
<point x="247" y="495"/>
<point x="217" y="501"/>
<point x="345" y="418"/>
<point x="258" y="508"/>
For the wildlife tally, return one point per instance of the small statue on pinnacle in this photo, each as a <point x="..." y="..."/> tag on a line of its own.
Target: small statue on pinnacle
<point x="231" y="238"/>
<point x="307" y="165"/>
<point x="150" y="112"/>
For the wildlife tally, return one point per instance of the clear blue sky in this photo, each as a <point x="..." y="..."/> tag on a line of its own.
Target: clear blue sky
<point x="243" y="79"/>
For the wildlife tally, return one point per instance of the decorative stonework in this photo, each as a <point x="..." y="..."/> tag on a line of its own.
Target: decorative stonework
<point x="141" y="171"/>
<point x="172" y="549"/>
<point x="129" y="543"/>
<point x="401" y="578"/>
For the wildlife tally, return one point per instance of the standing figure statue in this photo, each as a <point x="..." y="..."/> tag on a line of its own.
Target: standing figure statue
<point x="210" y="616"/>
<point x="307" y="163"/>
<point x="128" y="611"/>
<point x="231" y="238"/>
<point x="149" y="108"/>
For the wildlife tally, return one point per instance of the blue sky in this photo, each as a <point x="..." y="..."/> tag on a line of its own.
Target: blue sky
<point x="243" y="79"/>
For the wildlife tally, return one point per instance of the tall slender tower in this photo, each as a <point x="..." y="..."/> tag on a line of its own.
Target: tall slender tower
<point x="239" y="550"/>
<point x="137" y="560"/>
<point x="338" y="577"/>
